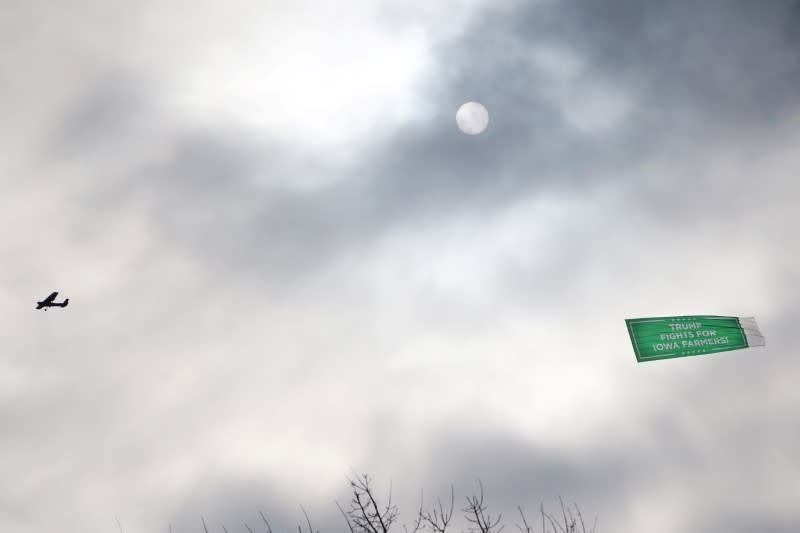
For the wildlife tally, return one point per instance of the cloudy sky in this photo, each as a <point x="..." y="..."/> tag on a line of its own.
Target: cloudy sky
<point x="285" y="263"/>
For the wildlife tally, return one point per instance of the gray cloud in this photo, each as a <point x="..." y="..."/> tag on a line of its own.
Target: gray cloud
<point x="423" y="172"/>
<point x="252" y="316"/>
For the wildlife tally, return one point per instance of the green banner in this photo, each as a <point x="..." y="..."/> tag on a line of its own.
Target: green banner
<point x="681" y="336"/>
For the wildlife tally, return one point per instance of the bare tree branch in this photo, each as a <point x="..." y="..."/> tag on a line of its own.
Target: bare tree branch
<point x="349" y="525"/>
<point x="566" y="524"/>
<point x="418" y="523"/>
<point x="384" y="529"/>
<point x="541" y="508"/>
<point x="264" y="518"/>
<point x="553" y="522"/>
<point x="440" y="519"/>
<point x="365" y="514"/>
<point x="580" y="517"/>
<point x="476" y="514"/>
<point x="524" y="521"/>
<point x="308" y="520"/>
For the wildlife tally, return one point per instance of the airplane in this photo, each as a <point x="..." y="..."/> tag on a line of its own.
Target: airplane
<point x="49" y="302"/>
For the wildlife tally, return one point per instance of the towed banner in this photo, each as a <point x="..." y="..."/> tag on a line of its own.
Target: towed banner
<point x="681" y="336"/>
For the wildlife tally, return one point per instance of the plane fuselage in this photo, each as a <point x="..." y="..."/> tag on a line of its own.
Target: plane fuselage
<point x="41" y="305"/>
<point x="44" y="304"/>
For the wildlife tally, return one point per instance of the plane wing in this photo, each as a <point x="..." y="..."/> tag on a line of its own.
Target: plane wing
<point x="50" y="298"/>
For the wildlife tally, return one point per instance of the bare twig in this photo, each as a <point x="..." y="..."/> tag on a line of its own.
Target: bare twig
<point x="418" y="523"/>
<point x="524" y="521"/>
<point x="580" y="517"/>
<point x="541" y="508"/>
<point x="476" y="514"/>
<point x="553" y="522"/>
<point x="380" y="518"/>
<point x="349" y="525"/>
<point x="440" y="519"/>
<point x="308" y="520"/>
<point x="365" y="514"/>
<point x="566" y="524"/>
<point x="264" y="518"/>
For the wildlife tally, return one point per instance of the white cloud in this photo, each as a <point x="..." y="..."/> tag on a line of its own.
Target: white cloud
<point x="322" y="75"/>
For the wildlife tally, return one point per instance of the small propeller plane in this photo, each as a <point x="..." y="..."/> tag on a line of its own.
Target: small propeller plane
<point x="49" y="302"/>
